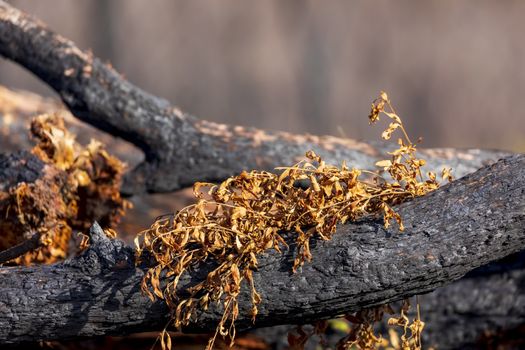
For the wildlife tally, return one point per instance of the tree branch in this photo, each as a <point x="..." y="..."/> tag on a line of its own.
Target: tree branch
<point x="20" y="249"/>
<point x="466" y="224"/>
<point x="488" y="301"/>
<point x="179" y="148"/>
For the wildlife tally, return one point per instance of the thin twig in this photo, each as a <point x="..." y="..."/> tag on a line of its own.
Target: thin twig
<point x="20" y="249"/>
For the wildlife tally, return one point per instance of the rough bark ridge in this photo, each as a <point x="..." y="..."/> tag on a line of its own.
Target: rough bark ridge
<point x="466" y="224"/>
<point x="179" y="148"/>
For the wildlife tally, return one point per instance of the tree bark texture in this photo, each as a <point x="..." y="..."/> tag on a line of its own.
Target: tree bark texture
<point x="179" y="148"/>
<point x="449" y="232"/>
<point x="488" y="303"/>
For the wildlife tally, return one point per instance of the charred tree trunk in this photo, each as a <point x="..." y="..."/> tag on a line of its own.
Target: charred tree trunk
<point x="466" y="224"/>
<point x="488" y="302"/>
<point x="179" y="148"/>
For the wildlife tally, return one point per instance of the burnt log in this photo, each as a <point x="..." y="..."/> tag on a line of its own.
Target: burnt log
<point x="179" y="148"/>
<point x="449" y="232"/>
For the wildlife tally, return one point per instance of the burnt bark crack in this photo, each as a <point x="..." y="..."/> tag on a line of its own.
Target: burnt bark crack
<point x="103" y="254"/>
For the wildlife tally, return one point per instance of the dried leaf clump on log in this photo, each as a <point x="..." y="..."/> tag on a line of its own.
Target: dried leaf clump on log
<point x="68" y="188"/>
<point x="245" y="216"/>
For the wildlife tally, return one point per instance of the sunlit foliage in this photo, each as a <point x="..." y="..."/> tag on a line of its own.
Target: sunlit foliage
<point x="235" y="221"/>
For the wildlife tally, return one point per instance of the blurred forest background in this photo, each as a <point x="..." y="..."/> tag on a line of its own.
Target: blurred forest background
<point x="453" y="69"/>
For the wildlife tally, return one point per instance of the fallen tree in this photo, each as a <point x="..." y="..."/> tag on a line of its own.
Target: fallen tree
<point x="179" y="148"/>
<point x="466" y="224"/>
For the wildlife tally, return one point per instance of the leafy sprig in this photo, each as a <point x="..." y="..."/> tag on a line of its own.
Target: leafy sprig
<point x="234" y="222"/>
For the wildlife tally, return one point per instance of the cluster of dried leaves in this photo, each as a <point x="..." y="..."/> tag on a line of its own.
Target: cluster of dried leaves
<point x="362" y="332"/>
<point x="94" y="175"/>
<point x="361" y="327"/>
<point x="235" y="221"/>
<point x="76" y="186"/>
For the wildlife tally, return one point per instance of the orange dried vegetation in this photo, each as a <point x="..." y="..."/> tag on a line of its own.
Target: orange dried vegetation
<point x="403" y="334"/>
<point x="77" y="186"/>
<point x="235" y="221"/>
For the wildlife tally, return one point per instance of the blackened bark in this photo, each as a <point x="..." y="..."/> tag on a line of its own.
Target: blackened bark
<point x="19" y="167"/>
<point x="487" y="304"/>
<point x="466" y="224"/>
<point x="488" y="301"/>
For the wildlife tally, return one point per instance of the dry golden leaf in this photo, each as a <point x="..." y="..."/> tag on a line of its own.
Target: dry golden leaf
<point x="384" y="163"/>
